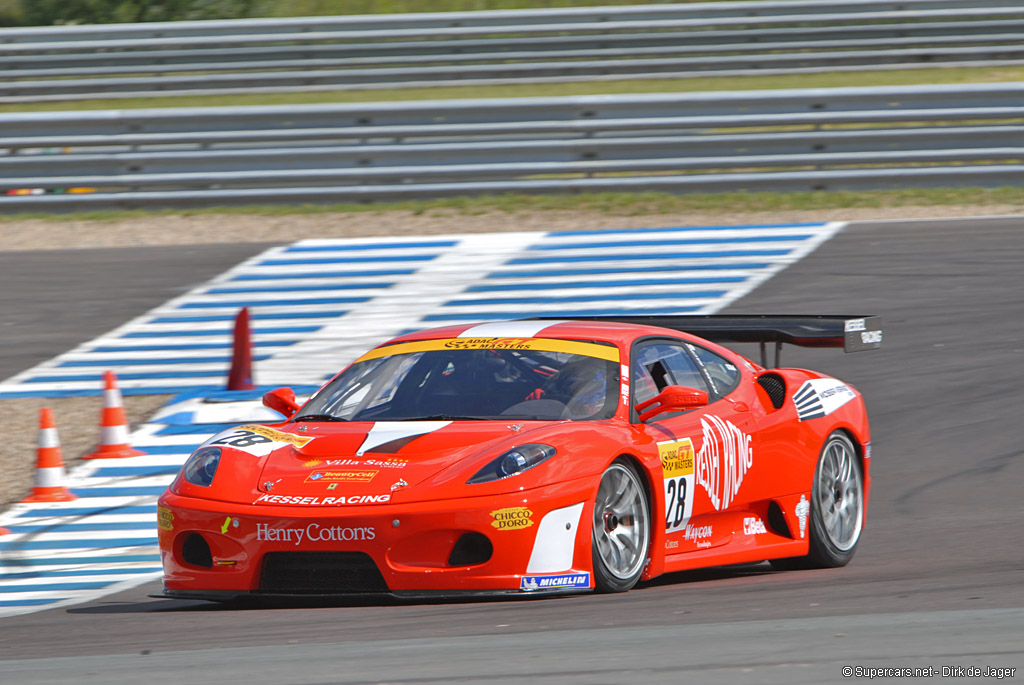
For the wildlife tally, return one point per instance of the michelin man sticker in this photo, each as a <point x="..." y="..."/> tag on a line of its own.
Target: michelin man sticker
<point x="803" y="508"/>
<point x="258" y="441"/>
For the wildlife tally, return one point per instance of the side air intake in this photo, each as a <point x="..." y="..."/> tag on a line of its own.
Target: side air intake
<point x="775" y="386"/>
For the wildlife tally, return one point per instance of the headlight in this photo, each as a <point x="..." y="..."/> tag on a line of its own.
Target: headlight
<point x="202" y="466"/>
<point x="514" y="461"/>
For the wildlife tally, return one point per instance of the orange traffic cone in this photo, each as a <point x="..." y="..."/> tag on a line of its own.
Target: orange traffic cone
<point x="113" y="424"/>
<point x="50" y="464"/>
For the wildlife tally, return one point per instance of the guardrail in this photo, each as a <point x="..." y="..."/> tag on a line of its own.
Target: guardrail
<point x="812" y="139"/>
<point x="503" y="47"/>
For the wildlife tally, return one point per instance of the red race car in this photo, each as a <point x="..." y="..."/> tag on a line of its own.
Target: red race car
<point x="530" y="457"/>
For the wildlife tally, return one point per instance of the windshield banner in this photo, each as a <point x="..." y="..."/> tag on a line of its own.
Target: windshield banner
<point x="606" y="352"/>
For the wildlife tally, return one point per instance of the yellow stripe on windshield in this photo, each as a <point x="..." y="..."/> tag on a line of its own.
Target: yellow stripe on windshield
<point x="586" y="349"/>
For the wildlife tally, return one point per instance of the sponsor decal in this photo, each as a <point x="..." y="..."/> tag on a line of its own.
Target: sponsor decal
<point x="671" y="544"/>
<point x="867" y="451"/>
<point x="871" y="337"/>
<point x="276" y="435"/>
<point x="624" y="390"/>
<point x="489" y="344"/>
<point x="723" y="461"/>
<point x="313" y="532"/>
<point x="561" y="582"/>
<point x="698" y="533"/>
<point x="332" y="486"/>
<point x="677" y="471"/>
<point x="803" y="508"/>
<point x="588" y="349"/>
<point x="317" y="501"/>
<point x="258" y="441"/>
<point x="700" y="362"/>
<point x="165" y="518"/>
<point x="374" y="463"/>
<point x="753" y="525"/>
<point x="512" y="518"/>
<point x="820" y="397"/>
<point x="348" y="476"/>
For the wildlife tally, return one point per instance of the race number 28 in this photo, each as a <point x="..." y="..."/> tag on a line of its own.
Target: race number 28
<point x="675" y="503"/>
<point x="677" y="470"/>
<point x="242" y="438"/>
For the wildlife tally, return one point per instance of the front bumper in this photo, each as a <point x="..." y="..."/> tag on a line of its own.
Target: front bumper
<point x="529" y="542"/>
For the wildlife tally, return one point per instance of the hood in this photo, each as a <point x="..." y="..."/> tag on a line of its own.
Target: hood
<point x="368" y="460"/>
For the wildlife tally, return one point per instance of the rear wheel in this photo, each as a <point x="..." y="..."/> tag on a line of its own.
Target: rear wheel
<point x="621" y="528"/>
<point x="837" y="503"/>
<point x="837" y="507"/>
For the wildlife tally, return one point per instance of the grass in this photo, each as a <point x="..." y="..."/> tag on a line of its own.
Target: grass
<point x="612" y="204"/>
<point x="899" y="77"/>
<point x="326" y="8"/>
<point x="321" y="8"/>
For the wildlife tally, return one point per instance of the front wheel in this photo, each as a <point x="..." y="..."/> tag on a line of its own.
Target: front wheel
<point x="621" y="528"/>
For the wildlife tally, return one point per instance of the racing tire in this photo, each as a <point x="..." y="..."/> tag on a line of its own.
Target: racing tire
<point x="836" y="509"/>
<point x="621" y="528"/>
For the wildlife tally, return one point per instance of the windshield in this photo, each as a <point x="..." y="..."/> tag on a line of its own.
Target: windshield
<point x="474" y="382"/>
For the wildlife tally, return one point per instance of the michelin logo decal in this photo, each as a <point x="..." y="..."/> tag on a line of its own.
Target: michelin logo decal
<point x="560" y="582"/>
<point x="820" y="397"/>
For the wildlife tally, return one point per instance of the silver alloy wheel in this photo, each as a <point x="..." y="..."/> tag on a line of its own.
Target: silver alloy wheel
<point x="840" y="495"/>
<point x="621" y="522"/>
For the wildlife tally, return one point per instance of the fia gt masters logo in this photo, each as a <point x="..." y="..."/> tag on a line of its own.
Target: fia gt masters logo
<point x="568" y="580"/>
<point x="490" y="343"/>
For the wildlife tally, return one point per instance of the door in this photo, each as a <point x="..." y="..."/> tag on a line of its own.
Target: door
<point x="706" y="453"/>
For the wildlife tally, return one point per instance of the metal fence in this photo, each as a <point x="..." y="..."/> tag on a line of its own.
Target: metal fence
<point x="812" y="139"/>
<point x="504" y="47"/>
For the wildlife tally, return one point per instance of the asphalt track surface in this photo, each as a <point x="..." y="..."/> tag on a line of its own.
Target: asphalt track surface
<point x="937" y="582"/>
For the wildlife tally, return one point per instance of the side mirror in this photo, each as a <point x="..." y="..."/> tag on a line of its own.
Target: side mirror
<point x="672" y="398"/>
<point x="281" y="400"/>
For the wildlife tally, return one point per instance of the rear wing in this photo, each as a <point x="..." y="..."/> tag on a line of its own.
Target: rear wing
<point x="852" y="333"/>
